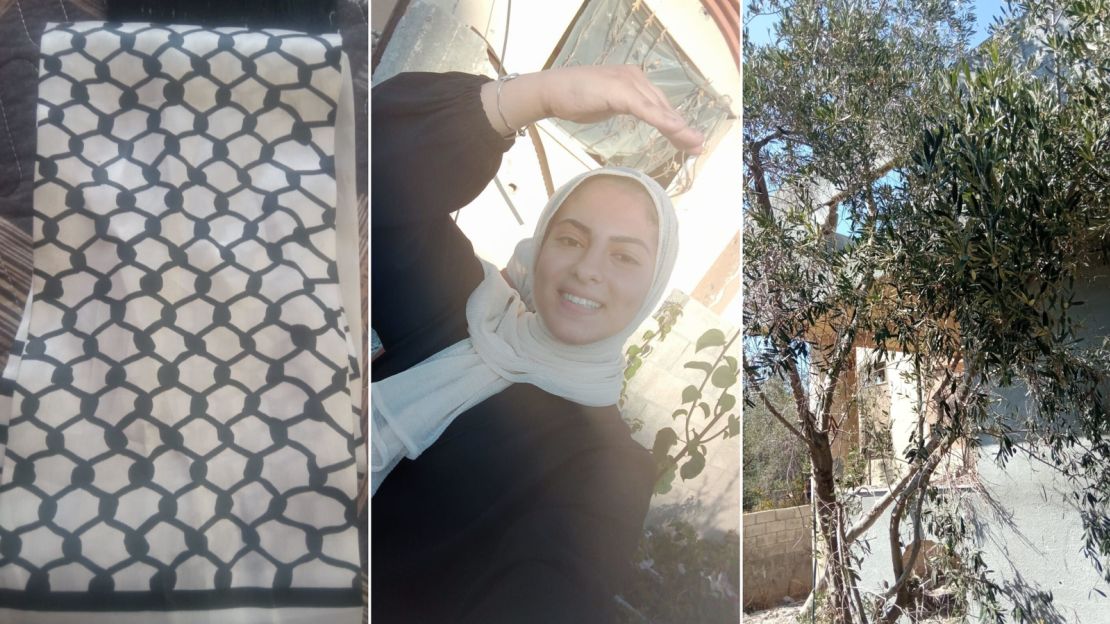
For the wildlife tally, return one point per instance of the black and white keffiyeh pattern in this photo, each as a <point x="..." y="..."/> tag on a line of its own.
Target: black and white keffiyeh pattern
<point x="181" y="437"/>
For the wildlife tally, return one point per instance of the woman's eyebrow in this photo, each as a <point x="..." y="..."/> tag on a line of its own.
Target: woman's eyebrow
<point x="631" y="239"/>
<point x="578" y="225"/>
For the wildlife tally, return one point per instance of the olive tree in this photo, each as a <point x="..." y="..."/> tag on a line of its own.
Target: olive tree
<point x="973" y="184"/>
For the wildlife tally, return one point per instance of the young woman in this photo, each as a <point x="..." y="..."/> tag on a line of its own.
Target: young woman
<point x="507" y="487"/>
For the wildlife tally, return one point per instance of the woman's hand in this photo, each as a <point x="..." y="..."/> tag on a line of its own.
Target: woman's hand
<point x="587" y="94"/>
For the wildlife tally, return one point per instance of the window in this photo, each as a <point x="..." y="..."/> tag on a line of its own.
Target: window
<point x="629" y="32"/>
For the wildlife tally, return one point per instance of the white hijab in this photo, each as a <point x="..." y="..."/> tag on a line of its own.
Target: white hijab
<point x="509" y="344"/>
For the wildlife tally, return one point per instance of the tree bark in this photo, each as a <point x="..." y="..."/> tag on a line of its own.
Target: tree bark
<point x="828" y="512"/>
<point x="757" y="173"/>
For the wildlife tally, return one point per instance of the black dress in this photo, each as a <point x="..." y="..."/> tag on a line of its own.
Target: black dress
<point x="529" y="507"/>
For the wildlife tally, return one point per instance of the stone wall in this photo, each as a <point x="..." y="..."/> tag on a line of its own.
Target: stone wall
<point x="777" y="556"/>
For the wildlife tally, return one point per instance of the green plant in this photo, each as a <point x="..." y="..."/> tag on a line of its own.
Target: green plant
<point x="776" y="464"/>
<point x="635" y="354"/>
<point x="700" y="420"/>
<point x="853" y="470"/>
<point x="683" y="578"/>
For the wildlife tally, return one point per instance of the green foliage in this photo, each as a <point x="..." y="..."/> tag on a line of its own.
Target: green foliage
<point x="1011" y="185"/>
<point x="711" y="338"/>
<point x="700" y="422"/>
<point x="852" y="470"/>
<point x="776" y="465"/>
<point x="845" y="83"/>
<point x="683" y="578"/>
<point x="1007" y="187"/>
<point x="665" y="317"/>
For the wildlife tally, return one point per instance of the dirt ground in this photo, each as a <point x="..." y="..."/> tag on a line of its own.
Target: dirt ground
<point x="789" y="615"/>
<point x="778" y="615"/>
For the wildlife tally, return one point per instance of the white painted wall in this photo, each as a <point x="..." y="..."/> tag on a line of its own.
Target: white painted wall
<point x="903" y="405"/>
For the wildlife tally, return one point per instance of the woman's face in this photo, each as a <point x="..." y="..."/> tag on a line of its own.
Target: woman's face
<point x="596" y="263"/>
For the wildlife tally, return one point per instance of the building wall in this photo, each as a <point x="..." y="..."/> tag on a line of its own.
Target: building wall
<point x="1028" y="536"/>
<point x="777" y="556"/>
<point x="903" y="406"/>
<point x="1020" y="515"/>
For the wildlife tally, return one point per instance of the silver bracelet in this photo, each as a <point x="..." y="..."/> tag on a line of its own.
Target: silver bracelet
<point x="500" y="82"/>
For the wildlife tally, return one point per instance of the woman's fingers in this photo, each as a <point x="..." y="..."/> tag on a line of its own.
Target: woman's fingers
<point x="671" y="125"/>
<point x="594" y="93"/>
<point x="654" y="92"/>
<point x="653" y="107"/>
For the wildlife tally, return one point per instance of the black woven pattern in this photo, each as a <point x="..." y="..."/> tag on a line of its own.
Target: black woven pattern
<point x="182" y="416"/>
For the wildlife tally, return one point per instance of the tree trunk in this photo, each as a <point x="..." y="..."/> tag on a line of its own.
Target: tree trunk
<point x="828" y="515"/>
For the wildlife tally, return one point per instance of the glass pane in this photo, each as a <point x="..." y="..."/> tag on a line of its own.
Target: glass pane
<point x="613" y="32"/>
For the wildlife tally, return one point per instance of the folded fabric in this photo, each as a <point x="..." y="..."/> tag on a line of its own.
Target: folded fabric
<point x="8" y="376"/>
<point x="183" y="443"/>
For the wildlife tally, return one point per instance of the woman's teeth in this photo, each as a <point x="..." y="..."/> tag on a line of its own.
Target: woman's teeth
<point x="585" y="303"/>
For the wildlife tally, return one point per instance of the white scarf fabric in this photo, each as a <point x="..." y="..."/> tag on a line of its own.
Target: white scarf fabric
<point x="509" y="344"/>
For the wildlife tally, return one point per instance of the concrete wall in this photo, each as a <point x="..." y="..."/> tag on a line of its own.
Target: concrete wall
<point x="777" y="556"/>
<point x="1028" y="536"/>
<point x="891" y="403"/>
<point x="903" y="407"/>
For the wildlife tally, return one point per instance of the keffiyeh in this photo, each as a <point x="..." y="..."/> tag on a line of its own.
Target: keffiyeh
<point x="182" y="444"/>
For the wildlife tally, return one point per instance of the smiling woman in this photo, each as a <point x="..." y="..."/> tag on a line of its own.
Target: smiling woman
<point x="595" y="266"/>
<point x="506" y="486"/>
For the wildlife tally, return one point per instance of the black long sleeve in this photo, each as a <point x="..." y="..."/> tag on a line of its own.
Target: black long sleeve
<point x="433" y="149"/>
<point x="432" y="152"/>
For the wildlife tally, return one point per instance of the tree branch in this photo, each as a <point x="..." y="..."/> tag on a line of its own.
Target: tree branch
<point x="846" y="341"/>
<point x="805" y="416"/>
<point x="686" y="447"/>
<point x="831" y="203"/>
<point x="759" y="176"/>
<point x="907" y="485"/>
<point x="908" y="482"/>
<point x="767" y="402"/>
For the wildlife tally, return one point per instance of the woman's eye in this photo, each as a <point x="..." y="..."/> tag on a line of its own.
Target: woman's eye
<point x="569" y="241"/>
<point x="626" y="259"/>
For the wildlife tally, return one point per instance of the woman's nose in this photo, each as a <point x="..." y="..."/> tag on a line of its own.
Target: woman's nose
<point x="588" y="267"/>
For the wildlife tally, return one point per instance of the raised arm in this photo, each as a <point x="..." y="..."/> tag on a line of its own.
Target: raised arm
<point x="432" y="152"/>
<point x="437" y="139"/>
<point x="585" y="94"/>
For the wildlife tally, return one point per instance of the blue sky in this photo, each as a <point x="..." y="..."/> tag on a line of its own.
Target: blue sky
<point x="759" y="29"/>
